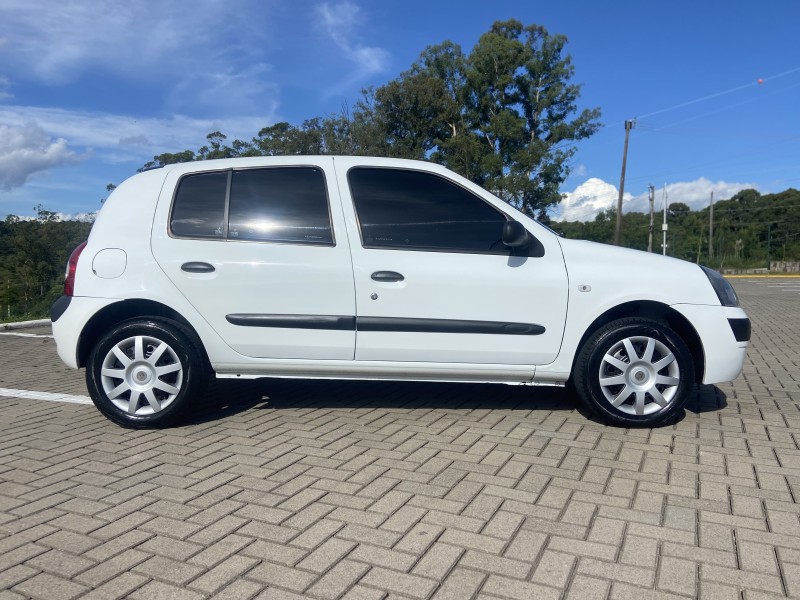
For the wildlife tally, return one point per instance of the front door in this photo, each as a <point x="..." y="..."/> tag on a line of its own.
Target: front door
<point x="433" y="280"/>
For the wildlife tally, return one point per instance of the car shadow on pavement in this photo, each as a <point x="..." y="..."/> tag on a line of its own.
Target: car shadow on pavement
<point x="706" y="398"/>
<point x="225" y="398"/>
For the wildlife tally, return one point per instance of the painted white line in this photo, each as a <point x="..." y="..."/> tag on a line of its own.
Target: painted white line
<point x="39" y="335"/>
<point x="48" y="396"/>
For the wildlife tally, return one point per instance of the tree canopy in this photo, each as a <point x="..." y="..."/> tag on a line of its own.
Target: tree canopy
<point x="504" y="115"/>
<point x="749" y="228"/>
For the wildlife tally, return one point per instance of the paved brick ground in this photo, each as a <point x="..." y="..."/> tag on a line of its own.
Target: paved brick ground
<point x="370" y="491"/>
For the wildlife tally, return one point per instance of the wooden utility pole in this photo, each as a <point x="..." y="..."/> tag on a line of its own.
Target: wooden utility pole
<point x="652" y="192"/>
<point x="628" y="126"/>
<point x="769" y="244"/>
<point x="664" y="225"/>
<point x="711" y="228"/>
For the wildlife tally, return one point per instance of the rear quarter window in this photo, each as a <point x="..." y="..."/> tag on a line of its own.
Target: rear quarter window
<point x="199" y="207"/>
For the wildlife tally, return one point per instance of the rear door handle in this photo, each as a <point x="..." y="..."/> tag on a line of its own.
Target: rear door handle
<point x="197" y="267"/>
<point x="385" y="276"/>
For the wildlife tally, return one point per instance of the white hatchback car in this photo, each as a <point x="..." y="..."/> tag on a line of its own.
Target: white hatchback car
<point x="371" y="268"/>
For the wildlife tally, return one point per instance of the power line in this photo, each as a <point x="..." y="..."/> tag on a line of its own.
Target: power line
<point x="718" y="94"/>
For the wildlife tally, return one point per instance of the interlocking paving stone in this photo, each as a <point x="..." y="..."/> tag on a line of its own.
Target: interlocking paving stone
<point x="376" y="491"/>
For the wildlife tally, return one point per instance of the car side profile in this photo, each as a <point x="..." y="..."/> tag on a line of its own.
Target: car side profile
<point x="374" y="268"/>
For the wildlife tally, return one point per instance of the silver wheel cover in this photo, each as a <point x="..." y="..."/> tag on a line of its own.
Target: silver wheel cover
<point x="639" y="376"/>
<point x="141" y="375"/>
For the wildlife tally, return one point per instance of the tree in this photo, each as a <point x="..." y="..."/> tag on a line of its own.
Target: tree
<point x="504" y="115"/>
<point x="33" y="254"/>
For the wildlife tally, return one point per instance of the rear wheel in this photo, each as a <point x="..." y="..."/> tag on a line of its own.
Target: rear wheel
<point x="635" y="372"/>
<point x="145" y="372"/>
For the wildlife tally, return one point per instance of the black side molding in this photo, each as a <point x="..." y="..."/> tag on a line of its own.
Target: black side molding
<point x="447" y="326"/>
<point x="346" y="323"/>
<point x="741" y="329"/>
<point x="59" y="308"/>
<point x="335" y="322"/>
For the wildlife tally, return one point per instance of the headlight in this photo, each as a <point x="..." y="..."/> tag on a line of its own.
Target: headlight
<point x="723" y="288"/>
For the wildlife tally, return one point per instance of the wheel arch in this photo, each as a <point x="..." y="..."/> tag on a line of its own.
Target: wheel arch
<point x="657" y="312"/>
<point x="129" y="309"/>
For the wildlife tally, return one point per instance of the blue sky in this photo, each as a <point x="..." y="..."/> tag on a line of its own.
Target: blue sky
<point x="90" y="90"/>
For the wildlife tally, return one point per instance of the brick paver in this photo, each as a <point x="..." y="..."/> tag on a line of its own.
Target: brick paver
<point x="329" y="490"/>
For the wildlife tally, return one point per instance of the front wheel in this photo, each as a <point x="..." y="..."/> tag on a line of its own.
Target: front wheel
<point x="635" y="372"/>
<point x="145" y="372"/>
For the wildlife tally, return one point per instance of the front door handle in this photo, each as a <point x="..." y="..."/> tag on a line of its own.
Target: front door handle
<point x="385" y="276"/>
<point x="197" y="267"/>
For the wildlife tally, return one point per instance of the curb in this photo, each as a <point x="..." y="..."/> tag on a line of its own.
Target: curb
<point x="764" y="276"/>
<point x="25" y="324"/>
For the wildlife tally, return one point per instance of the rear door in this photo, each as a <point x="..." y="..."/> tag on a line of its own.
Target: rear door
<point x="435" y="283"/>
<point x="261" y="253"/>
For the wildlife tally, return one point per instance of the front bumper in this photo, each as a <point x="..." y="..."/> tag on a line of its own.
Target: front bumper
<point x="718" y="328"/>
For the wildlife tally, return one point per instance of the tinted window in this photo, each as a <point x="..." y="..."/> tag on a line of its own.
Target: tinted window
<point x="414" y="210"/>
<point x="282" y="204"/>
<point x="199" y="208"/>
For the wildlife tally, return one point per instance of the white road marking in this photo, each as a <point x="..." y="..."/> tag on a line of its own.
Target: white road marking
<point x="34" y="335"/>
<point x="48" y="396"/>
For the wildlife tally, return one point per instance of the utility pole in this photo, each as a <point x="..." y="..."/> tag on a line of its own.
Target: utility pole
<point x="651" y="192"/>
<point x="664" y="225"/>
<point x="628" y="126"/>
<point x="711" y="228"/>
<point x="769" y="243"/>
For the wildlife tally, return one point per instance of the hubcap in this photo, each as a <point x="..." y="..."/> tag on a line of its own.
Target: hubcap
<point x="639" y="375"/>
<point x="141" y="375"/>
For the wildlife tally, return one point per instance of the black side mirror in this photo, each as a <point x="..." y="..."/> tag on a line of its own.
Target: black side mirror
<point x="514" y="234"/>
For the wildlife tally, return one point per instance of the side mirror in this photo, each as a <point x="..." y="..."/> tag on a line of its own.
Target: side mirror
<point x="514" y="234"/>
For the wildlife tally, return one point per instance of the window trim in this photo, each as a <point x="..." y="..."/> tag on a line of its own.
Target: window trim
<point x="226" y="211"/>
<point x="506" y="252"/>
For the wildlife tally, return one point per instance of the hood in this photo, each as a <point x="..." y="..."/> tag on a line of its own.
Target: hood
<point x="626" y="274"/>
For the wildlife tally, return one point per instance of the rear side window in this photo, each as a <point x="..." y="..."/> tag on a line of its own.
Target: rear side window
<point x="199" y="208"/>
<point x="413" y="210"/>
<point x="276" y="204"/>
<point x="287" y="205"/>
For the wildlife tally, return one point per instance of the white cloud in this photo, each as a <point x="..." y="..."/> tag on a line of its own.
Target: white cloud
<point x="595" y="195"/>
<point x="127" y="138"/>
<point x="55" y="41"/>
<point x="580" y="171"/>
<point x="695" y="194"/>
<point x="340" y="22"/>
<point x="239" y="91"/>
<point x="5" y="83"/>
<point x="84" y="217"/>
<point x="588" y="199"/>
<point x="27" y="149"/>
<point x="205" y="55"/>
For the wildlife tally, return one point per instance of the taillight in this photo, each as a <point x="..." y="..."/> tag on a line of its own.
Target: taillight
<point x="72" y="266"/>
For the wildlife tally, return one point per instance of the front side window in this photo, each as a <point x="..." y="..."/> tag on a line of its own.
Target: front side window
<point x="199" y="207"/>
<point x="413" y="210"/>
<point x="280" y="204"/>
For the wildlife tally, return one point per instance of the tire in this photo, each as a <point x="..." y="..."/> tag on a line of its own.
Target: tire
<point x="635" y="372"/>
<point x="145" y="373"/>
